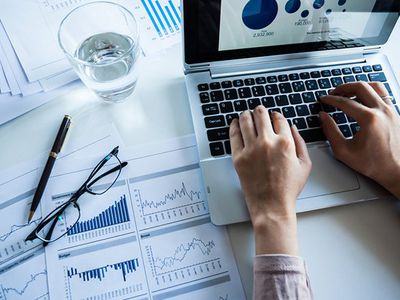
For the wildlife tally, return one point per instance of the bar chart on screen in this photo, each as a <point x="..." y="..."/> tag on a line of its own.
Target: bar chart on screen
<point x="102" y="216"/>
<point x="179" y="196"/>
<point x="161" y="23"/>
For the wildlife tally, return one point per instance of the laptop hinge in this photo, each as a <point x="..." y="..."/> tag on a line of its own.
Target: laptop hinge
<point x="232" y="68"/>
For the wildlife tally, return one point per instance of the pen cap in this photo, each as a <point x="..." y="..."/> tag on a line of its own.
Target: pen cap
<point x="61" y="135"/>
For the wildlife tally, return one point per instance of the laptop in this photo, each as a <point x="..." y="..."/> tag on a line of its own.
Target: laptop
<point x="239" y="54"/>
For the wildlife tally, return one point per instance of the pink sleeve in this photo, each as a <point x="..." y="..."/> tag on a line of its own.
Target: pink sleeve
<point x="280" y="277"/>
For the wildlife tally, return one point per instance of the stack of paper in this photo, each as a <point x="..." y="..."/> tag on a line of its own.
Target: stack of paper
<point x="33" y="68"/>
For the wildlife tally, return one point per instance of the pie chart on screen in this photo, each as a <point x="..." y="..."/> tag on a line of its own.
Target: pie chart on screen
<point x="258" y="14"/>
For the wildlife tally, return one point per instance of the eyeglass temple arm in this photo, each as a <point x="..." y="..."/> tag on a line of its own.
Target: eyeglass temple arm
<point x="117" y="168"/>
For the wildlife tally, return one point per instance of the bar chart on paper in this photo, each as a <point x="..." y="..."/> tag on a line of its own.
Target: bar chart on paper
<point x="161" y="21"/>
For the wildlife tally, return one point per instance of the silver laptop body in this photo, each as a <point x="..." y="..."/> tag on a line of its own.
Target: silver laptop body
<point x="331" y="183"/>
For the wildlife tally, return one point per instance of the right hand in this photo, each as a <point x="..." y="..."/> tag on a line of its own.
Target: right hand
<point x="375" y="150"/>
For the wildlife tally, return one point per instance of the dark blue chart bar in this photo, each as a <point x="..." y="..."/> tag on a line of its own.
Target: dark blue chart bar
<point x="126" y="267"/>
<point x="146" y="7"/>
<point x="164" y="16"/>
<point x="158" y="16"/>
<point x="115" y="214"/>
<point x="171" y="17"/>
<point x="178" y="17"/>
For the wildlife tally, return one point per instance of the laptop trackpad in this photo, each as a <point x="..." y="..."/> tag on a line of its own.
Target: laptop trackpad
<point x="328" y="176"/>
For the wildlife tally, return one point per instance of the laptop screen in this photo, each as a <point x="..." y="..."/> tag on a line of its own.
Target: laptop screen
<point x="229" y="29"/>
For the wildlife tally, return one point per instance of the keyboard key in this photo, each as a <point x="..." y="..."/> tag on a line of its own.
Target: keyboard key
<point x="319" y="94"/>
<point x="336" y="81"/>
<point x="210" y="109"/>
<point x="326" y="73"/>
<point x="389" y="89"/>
<point x="290" y="122"/>
<point x="315" y="74"/>
<point x="362" y="77"/>
<point x="231" y="94"/>
<point x="218" y="134"/>
<point x="350" y="119"/>
<point x="311" y="85"/>
<point x="240" y="105"/>
<point x="328" y="108"/>
<point x="313" y="135"/>
<point x="367" y="69"/>
<point x="244" y="92"/>
<point x="283" y="78"/>
<point x="345" y="129"/>
<point x="336" y="72"/>
<point x="300" y="123"/>
<point x="357" y="70"/>
<point x="272" y="79"/>
<point x="268" y="102"/>
<point x="295" y="99"/>
<point x="308" y="97"/>
<point x="348" y="79"/>
<point x="285" y="88"/>
<point x="230" y="118"/>
<point x="261" y="80"/>
<point x="288" y="112"/>
<point x="313" y="122"/>
<point x="216" y="121"/>
<point x="226" y="84"/>
<point x="217" y="96"/>
<point x="238" y="83"/>
<point x="272" y="89"/>
<point x="202" y="87"/>
<point x="355" y="128"/>
<point x="226" y="107"/>
<point x="228" y="147"/>
<point x="324" y="83"/>
<point x="217" y="149"/>
<point x="253" y="103"/>
<point x="249" y="81"/>
<point x="398" y="109"/>
<point x="315" y="108"/>
<point x="302" y="110"/>
<point x="305" y="75"/>
<point x="377" y="68"/>
<point x="275" y="109"/>
<point x="298" y="86"/>
<point x="340" y="118"/>
<point x="281" y="100"/>
<point x="294" y="76"/>
<point x="346" y="71"/>
<point x="204" y="97"/>
<point x="258" y="91"/>
<point x="377" y="77"/>
<point x="215" y="85"/>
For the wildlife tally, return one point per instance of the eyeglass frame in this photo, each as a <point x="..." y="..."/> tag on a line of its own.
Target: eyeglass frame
<point x="56" y="213"/>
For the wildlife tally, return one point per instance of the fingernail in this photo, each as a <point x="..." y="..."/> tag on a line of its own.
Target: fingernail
<point x="295" y="127"/>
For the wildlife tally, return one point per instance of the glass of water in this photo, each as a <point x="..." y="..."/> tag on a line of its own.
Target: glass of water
<point x="101" y="41"/>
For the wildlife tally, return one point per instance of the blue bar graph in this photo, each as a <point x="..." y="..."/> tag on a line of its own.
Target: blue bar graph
<point x="113" y="215"/>
<point x="146" y="7"/>
<point x="158" y="17"/>
<point x="178" y="17"/>
<point x="126" y="267"/>
<point x="171" y="17"/>
<point x="164" y="16"/>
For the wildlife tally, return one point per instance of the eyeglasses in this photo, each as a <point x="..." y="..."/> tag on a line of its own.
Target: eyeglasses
<point x="104" y="175"/>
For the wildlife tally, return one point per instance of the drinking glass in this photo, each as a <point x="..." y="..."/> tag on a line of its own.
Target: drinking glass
<point x="101" y="41"/>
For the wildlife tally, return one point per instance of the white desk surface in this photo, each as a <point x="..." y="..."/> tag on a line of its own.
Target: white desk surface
<point x="352" y="252"/>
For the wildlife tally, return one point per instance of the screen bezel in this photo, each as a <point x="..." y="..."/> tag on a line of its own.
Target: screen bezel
<point x="192" y="45"/>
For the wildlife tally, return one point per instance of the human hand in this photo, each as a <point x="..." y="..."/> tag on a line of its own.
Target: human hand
<point x="273" y="165"/>
<point x="375" y="150"/>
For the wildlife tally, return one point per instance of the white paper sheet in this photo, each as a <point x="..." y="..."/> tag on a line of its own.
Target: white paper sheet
<point x="27" y="88"/>
<point x="23" y="273"/>
<point x="12" y="107"/>
<point x="4" y="88"/>
<point x="9" y="74"/>
<point x="149" y="236"/>
<point x="58" y="80"/>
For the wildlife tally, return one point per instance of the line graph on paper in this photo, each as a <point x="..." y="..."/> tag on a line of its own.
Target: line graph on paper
<point x="16" y="227"/>
<point x="168" y="197"/>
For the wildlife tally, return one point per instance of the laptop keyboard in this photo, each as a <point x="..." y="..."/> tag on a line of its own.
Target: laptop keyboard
<point x="295" y="95"/>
